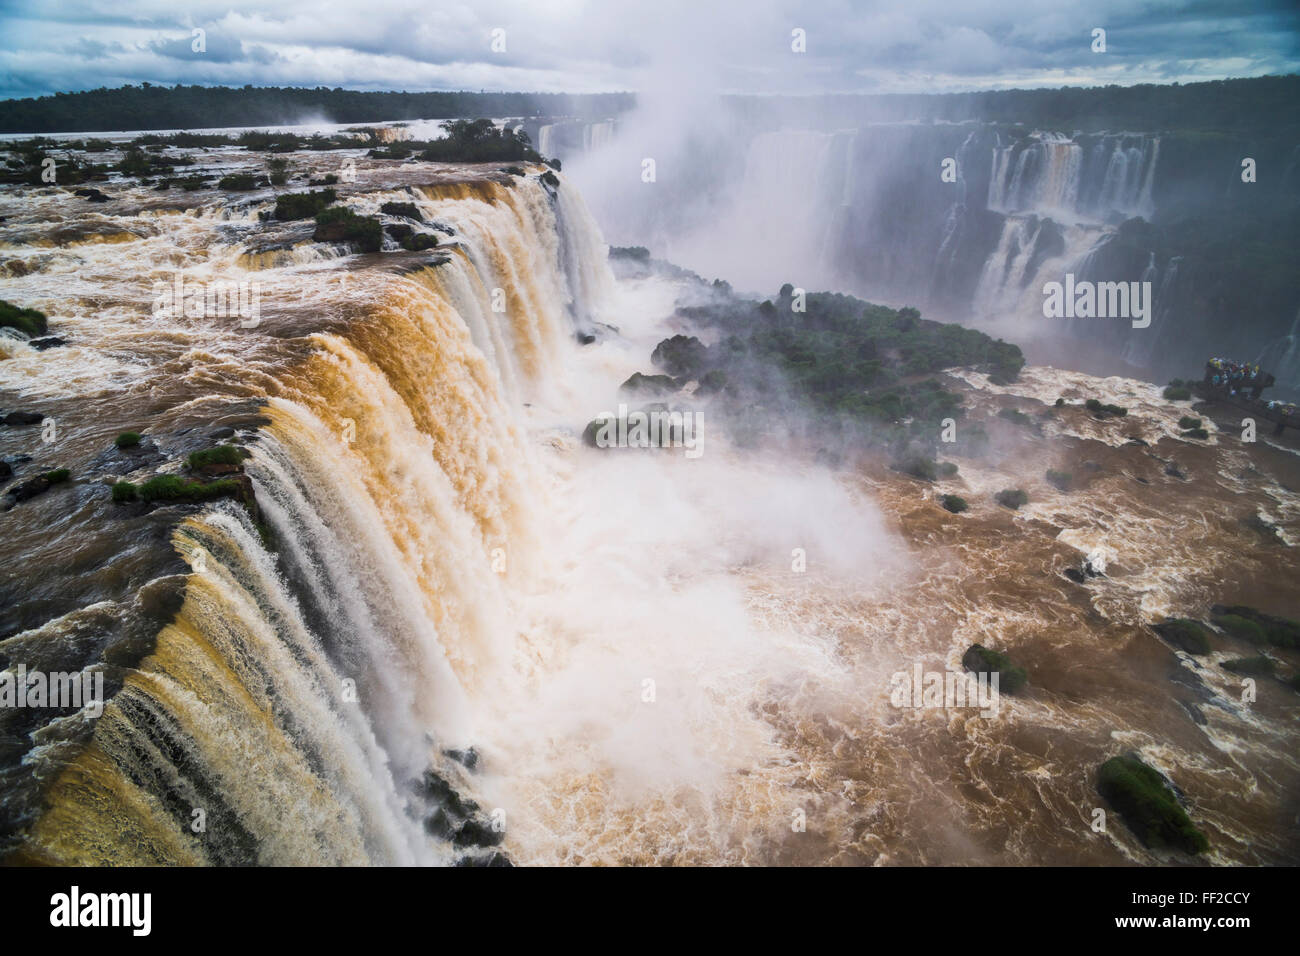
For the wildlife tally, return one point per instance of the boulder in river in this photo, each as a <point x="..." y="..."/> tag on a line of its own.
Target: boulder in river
<point x="1148" y="805"/>
<point x="1185" y="634"/>
<point x="982" y="660"/>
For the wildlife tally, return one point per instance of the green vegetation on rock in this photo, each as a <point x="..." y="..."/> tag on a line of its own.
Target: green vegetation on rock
<point x="980" y="660"/>
<point x="302" y="205"/>
<point x="1148" y="806"/>
<point x="217" y="455"/>
<point x="238" y="182"/>
<point x="341" y="224"/>
<point x="1191" y="636"/>
<point x="1012" y="498"/>
<point x="954" y="503"/>
<point x="1254" y="666"/>
<point x="176" y="488"/>
<point x="27" y="321"/>
<point x="1278" y="631"/>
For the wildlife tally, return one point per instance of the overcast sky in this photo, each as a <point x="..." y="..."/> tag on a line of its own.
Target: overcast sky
<point x="597" y="45"/>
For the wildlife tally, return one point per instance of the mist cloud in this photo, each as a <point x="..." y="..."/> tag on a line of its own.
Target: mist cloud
<point x="585" y="46"/>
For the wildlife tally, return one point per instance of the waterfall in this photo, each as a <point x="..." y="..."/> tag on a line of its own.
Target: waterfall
<point x="323" y="660"/>
<point x="1053" y="174"/>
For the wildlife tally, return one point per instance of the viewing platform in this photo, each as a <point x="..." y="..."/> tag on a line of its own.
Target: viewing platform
<point x="1241" y="385"/>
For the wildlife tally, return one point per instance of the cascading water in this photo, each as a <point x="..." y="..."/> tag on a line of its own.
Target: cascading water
<point x="304" y="686"/>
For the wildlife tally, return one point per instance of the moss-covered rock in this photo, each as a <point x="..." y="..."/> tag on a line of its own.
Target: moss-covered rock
<point x="1011" y="498"/>
<point x="1188" y="422"/>
<point x="176" y="488"/>
<point x="419" y="241"/>
<point x="954" y="503"/>
<point x="681" y="355"/>
<point x="1278" y="631"/>
<point x="1251" y="666"/>
<point x="982" y="660"/>
<point x="407" y="210"/>
<point x="238" y="182"/>
<point x="1240" y="627"/>
<point x="217" y="455"/>
<point x="127" y="440"/>
<point x="1105" y="411"/>
<point x="341" y="224"/>
<point x="1148" y="806"/>
<point x="1197" y="433"/>
<point x="1185" y="634"/>
<point x="30" y="322"/>
<point x="653" y="384"/>
<point x="1059" y="479"/>
<point x="918" y="466"/>
<point x="302" y="205"/>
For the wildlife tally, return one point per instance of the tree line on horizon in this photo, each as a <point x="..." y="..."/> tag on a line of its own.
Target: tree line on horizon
<point x="148" y="106"/>
<point x="1220" y="105"/>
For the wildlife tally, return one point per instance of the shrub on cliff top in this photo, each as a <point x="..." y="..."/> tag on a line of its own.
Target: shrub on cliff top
<point x="340" y="223"/>
<point x="217" y="455"/>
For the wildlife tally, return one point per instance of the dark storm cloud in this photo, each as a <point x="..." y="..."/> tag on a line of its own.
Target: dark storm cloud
<point x="585" y="45"/>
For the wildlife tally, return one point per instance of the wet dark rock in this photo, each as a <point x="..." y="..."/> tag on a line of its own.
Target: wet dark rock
<point x="1091" y="570"/>
<point x="492" y="859"/>
<point x="161" y="598"/>
<point x="1137" y="441"/>
<point x="49" y="342"/>
<point x="23" y="418"/>
<point x="221" y="434"/>
<point x="980" y="660"/>
<point x="653" y="384"/>
<point x="6" y="469"/>
<point x="1075" y="575"/>
<point x="94" y="195"/>
<point x="467" y="758"/>
<point x="1185" y="634"/>
<point x="1235" y="618"/>
<point x="1265" y="529"/>
<point x="440" y="825"/>
<point x="585" y="338"/>
<point x="26" y="490"/>
<point x="438" y="789"/>
<point x="1173" y="471"/>
<point x="407" y="210"/>
<point x="1194" y="712"/>
<point x="476" y="833"/>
